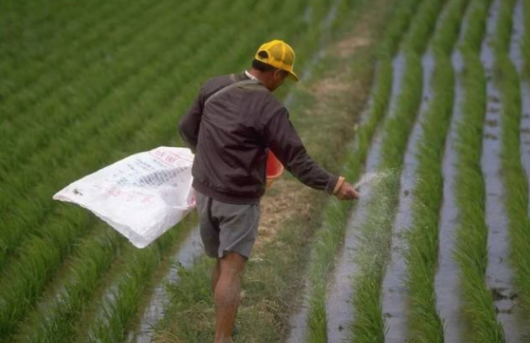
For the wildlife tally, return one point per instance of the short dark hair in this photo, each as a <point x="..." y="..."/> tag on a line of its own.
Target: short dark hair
<point x="263" y="67"/>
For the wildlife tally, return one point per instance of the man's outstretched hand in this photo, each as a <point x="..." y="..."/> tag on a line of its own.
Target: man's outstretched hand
<point x="347" y="192"/>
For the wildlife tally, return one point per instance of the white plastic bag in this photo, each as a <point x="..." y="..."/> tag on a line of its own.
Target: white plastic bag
<point x="141" y="196"/>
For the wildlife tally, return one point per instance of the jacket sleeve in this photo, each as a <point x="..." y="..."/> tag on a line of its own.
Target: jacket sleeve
<point x="285" y="143"/>
<point x="189" y="125"/>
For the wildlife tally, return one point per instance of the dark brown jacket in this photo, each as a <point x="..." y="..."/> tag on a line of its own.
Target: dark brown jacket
<point x="231" y="137"/>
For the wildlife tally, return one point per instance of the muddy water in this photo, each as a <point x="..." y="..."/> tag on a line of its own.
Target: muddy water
<point x="447" y="276"/>
<point x="394" y="287"/>
<point x="190" y="249"/>
<point x="499" y="274"/>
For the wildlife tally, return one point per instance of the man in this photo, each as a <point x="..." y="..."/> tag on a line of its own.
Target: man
<point x="231" y="126"/>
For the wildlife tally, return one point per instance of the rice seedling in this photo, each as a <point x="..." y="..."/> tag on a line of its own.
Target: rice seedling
<point x="514" y="176"/>
<point x="422" y="237"/>
<point x="471" y="254"/>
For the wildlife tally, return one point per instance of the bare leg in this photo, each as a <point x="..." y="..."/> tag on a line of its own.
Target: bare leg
<point x="216" y="272"/>
<point x="226" y="295"/>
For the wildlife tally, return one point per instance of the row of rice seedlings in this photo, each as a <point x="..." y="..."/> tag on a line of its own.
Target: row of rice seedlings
<point x="514" y="175"/>
<point x="471" y="254"/>
<point x="422" y="238"/>
<point x="75" y="94"/>
<point x="526" y="40"/>
<point x="23" y="280"/>
<point x="54" y="319"/>
<point x="329" y="238"/>
<point x="38" y="81"/>
<point x="15" y="226"/>
<point x="376" y="232"/>
<point x="47" y="191"/>
<point x="43" y="30"/>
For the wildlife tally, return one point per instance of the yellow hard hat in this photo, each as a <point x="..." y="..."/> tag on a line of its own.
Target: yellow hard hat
<point x="279" y="55"/>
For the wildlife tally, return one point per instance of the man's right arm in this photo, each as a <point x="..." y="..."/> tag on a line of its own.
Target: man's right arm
<point x="190" y="124"/>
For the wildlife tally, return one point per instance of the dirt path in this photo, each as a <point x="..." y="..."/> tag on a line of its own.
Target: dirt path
<point x="499" y="274"/>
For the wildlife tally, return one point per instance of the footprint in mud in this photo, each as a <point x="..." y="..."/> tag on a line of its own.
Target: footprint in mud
<point x="494" y="110"/>
<point x="494" y="99"/>
<point x="490" y="136"/>
<point x="525" y="130"/>
<point x="492" y="122"/>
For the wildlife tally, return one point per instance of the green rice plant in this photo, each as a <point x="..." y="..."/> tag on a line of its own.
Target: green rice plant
<point x="329" y="238"/>
<point x="375" y="233"/>
<point x="422" y="237"/>
<point x="471" y="254"/>
<point x="152" y="132"/>
<point x="526" y="40"/>
<point x="44" y="29"/>
<point x="55" y="321"/>
<point x="15" y="226"/>
<point x="449" y="30"/>
<point x="476" y="26"/>
<point x="27" y="279"/>
<point x="120" y="305"/>
<point x="398" y="25"/>
<point x="515" y="180"/>
<point x="423" y="26"/>
<point x="514" y="176"/>
<point x="120" y="28"/>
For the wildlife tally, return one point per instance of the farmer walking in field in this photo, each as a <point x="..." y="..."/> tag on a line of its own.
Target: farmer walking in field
<point x="232" y="125"/>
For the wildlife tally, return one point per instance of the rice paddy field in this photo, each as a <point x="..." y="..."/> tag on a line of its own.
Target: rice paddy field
<point x="426" y="103"/>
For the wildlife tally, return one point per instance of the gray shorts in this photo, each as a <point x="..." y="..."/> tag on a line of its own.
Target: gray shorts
<point x="227" y="227"/>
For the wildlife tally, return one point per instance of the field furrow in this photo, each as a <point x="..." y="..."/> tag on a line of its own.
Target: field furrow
<point x="446" y="282"/>
<point x="499" y="271"/>
<point x="394" y="302"/>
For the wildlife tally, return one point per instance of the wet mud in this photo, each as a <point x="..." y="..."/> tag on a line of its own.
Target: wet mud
<point x="190" y="249"/>
<point x="499" y="274"/>
<point x="394" y="285"/>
